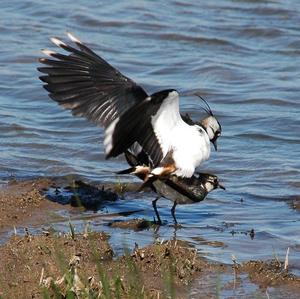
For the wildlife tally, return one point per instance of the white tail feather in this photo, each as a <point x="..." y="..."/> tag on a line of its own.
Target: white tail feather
<point x="141" y="169"/>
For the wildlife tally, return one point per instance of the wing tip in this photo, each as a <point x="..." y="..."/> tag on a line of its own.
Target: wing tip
<point x="48" y="52"/>
<point x="108" y="149"/>
<point x="73" y="38"/>
<point x="43" y="78"/>
<point x="108" y="156"/>
<point x="43" y="60"/>
<point x="57" y="42"/>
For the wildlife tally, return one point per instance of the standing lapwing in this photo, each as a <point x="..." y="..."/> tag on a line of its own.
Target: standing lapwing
<point x="179" y="190"/>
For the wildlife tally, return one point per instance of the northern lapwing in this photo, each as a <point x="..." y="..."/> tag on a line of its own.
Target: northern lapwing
<point x="179" y="190"/>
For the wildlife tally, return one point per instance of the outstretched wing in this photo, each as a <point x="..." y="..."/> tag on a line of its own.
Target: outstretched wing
<point x="85" y="83"/>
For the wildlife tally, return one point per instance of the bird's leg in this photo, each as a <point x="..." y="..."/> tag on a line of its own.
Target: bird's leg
<point x="155" y="210"/>
<point x="173" y="212"/>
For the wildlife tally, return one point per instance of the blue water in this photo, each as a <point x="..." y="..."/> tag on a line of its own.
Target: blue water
<point x="242" y="56"/>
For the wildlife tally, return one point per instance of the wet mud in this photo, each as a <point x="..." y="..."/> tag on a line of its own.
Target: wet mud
<point x="53" y="262"/>
<point x="23" y="204"/>
<point x="31" y="265"/>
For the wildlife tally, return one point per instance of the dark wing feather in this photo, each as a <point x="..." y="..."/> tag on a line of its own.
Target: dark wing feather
<point x="85" y="83"/>
<point x="189" y="187"/>
<point x="135" y="125"/>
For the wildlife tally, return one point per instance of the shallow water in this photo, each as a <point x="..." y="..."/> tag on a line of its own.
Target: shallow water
<point x="242" y="56"/>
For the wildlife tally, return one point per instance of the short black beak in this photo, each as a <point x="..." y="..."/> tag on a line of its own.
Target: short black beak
<point x="214" y="142"/>
<point x="221" y="187"/>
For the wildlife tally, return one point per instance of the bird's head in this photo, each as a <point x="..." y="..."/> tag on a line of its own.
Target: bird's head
<point x="210" y="124"/>
<point x="213" y="129"/>
<point x="210" y="182"/>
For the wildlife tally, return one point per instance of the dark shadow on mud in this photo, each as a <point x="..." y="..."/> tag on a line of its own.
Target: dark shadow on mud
<point x="80" y="194"/>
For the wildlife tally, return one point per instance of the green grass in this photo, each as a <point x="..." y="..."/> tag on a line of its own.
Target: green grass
<point x="73" y="284"/>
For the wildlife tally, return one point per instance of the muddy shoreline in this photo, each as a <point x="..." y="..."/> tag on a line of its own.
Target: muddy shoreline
<point x="23" y="204"/>
<point x="33" y="264"/>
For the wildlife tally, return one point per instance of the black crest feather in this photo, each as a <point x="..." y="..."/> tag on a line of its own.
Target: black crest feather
<point x="207" y="108"/>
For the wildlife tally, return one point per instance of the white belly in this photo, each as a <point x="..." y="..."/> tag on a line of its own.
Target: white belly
<point x="189" y="144"/>
<point x="190" y="148"/>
